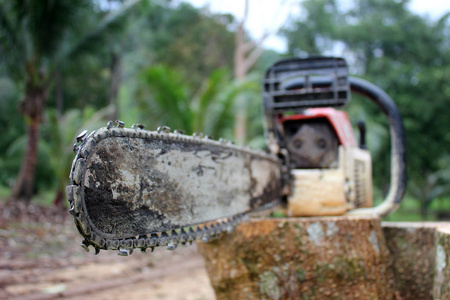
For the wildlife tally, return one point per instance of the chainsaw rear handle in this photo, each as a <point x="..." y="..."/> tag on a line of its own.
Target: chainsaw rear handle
<point x="398" y="147"/>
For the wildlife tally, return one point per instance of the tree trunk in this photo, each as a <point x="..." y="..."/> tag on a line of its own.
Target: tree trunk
<point x="59" y="93"/>
<point x="114" y="82"/>
<point x="301" y="258"/>
<point x="32" y="108"/>
<point x="58" y="200"/>
<point x="240" y="125"/>
<point x="246" y="55"/>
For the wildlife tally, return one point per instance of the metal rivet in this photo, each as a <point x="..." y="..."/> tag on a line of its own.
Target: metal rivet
<point x="81" y="136"/>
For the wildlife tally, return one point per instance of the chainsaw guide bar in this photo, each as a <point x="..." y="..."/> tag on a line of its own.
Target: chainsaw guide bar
<point x="134" y="188"/>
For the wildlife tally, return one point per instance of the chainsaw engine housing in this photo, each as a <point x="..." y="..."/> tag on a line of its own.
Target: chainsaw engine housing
<point x="330" y="173"/>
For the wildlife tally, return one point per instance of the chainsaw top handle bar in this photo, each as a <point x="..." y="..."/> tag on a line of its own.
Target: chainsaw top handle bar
<point x="398" y="147"/>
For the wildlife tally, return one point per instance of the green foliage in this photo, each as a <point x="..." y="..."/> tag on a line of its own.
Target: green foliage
<point x="61" y="136"/>
<point x="13" y="128"/>
<point x="35" y="33"/>
<point x="191" y="41"/>
<point x="37" y="38"/>
<point x="210" y="110"/>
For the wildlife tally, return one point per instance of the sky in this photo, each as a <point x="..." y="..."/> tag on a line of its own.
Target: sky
<point x="270" y="15"/>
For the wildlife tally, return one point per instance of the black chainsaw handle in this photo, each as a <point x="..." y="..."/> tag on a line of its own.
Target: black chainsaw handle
<point x="398" y="146"/>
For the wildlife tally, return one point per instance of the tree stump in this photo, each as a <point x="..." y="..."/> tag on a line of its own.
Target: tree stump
<point x="413" y="258"/>
<point x="301" y="258"/>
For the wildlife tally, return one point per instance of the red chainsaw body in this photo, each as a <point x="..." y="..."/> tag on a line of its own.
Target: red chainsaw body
<point x="336" y="118"/>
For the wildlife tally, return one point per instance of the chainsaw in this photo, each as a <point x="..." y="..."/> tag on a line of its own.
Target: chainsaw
<point x="131" y="188"/>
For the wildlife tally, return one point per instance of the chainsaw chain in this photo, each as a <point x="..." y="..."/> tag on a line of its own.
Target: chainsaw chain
<point x="205" y="232"/>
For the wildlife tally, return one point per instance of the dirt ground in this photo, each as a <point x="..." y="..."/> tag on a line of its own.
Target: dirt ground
<point x="40" y="258"/>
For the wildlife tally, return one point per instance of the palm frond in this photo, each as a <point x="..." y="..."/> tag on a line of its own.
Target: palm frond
<point x="209" y="95"/>
<point x="49" y="21"/>
<point x="227" y="102"/>
<point x="170" y="94"/>
<point x="11" y="48"/>
<point x="98" y="35"/>
<point x="7" y="33"/>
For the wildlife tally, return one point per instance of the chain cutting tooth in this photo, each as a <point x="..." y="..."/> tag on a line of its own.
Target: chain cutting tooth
<point x="120" y="124"/>
<point x="72" y="211"/>
<point x="183" y="236"/>
<point x="85" y="245"/>
<point x="82" y="136"/>
<point x="97" y="240"/>
<point x="163" y="239"/>
<point x="110" y="125"/>
<point x="179" y="131"/>
<point x="97" y="251"/>
<point x="163" y="129"/>
<point x="191" y="235"/>
<point x="138" y="126"/>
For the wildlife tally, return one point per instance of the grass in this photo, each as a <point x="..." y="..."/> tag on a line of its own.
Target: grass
<point x="409" y="210"/>
<point x="44" y="198"/>
<point x="4" y="193"/>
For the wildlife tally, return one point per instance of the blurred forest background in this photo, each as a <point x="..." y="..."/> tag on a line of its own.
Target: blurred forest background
<point x="66" y="66"/>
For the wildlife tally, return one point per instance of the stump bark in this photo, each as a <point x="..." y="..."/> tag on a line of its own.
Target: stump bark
<point x="412" y="248"/>
<point x="301" y="258"/>
<point x="441" y="288"/>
